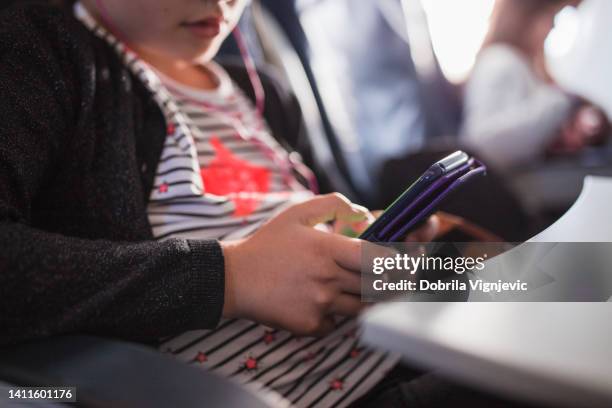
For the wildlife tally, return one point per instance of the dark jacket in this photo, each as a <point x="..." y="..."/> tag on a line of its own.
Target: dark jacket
<point x="80" y="138"/>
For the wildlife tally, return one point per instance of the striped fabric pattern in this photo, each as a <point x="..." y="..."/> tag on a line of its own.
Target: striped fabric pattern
<point x="180" y="204"/>
<point x="306" y="371"/>
<point x="217" y="136"/>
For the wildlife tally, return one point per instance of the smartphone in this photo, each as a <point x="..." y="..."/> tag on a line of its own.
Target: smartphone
<point x="423" y="197"/>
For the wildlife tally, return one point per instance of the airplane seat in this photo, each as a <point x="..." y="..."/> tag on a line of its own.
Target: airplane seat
<point x="116" y="373"/>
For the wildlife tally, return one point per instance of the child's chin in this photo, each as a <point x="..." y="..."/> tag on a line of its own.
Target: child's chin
<point x="201" y="54"/>
<point x="204" y="51"/>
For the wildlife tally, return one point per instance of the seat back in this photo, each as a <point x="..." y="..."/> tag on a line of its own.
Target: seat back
<point x="109" y="373"/>
<point x="351" y="138"/>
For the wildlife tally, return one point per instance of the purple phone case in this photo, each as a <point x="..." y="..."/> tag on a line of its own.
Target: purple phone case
<point x="441" y="181"/>
<point x="419" y="217"/>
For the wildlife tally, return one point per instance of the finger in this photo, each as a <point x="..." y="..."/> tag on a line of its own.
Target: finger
<point x="329" y="207"/>
<point x="351" y="229"/>
<point x="327" y="326"/>
<point x="348" y="282"/>
<point x="346" y="252"/>
<point x="354" y="229"/>
<point x="347" y="305"/>
<point x="426" y="232"/>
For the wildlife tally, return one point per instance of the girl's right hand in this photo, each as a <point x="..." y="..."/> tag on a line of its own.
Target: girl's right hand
<point x="292" y="276"/>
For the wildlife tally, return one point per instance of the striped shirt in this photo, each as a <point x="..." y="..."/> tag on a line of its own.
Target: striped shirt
<point x="226" y="175"/>
<point x="220" y="176"/>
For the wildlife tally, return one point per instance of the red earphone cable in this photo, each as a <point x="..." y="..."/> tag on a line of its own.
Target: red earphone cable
<point x="258" y="89"/>
<point x="249" y="63"/>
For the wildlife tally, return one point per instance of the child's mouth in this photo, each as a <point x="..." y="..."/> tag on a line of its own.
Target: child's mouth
<point x="205" y="28"/>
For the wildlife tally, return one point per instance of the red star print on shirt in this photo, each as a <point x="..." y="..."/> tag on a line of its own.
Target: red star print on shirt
<point x="269" y="337"/>
<point x="170" y="129"/>
<point x="250" y="364"/>
<point x="228" y="174"/>
<point x="201" y="357"/>
<point x="310" y="356"/>
<point x="336" y="384"/>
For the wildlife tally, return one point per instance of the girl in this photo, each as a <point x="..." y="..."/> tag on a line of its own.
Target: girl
<point x="142" y="195"/>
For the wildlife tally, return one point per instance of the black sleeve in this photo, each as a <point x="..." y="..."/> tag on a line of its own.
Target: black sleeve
<point x="51" y="283"/>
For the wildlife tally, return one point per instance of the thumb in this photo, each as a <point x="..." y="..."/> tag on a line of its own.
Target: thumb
<point x="329" y="207"/>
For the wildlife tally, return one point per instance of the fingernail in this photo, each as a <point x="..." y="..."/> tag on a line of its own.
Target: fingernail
<point x="367" y="215"/>
<point x="357" y="217"/>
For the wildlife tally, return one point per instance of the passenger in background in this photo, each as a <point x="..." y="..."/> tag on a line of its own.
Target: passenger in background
<point x="514" y="112"/>
<point x="380" y="107"/>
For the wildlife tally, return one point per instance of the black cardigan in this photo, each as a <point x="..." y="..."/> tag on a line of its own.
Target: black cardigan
<point x="80" y="138"/>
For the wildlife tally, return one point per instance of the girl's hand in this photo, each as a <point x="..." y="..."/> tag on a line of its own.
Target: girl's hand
<point x="425" y="233"/>
<point x="293" y="276"/>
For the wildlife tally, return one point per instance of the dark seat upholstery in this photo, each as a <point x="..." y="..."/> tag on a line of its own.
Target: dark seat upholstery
<point x="112" y="373"/>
